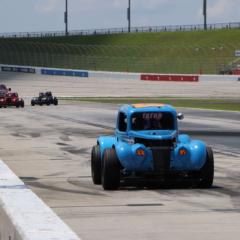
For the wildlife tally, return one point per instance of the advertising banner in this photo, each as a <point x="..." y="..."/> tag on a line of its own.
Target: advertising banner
<point x="18" y="69"/>
<point x="70" y="73"/>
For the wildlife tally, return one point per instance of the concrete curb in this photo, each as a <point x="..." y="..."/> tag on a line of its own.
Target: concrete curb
<point x="24" y="216"/>
<point x="117" y="75"/>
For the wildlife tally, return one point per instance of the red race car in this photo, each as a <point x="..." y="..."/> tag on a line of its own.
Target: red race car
<point x="3" y="102"/>
<point x="12" y="99"/>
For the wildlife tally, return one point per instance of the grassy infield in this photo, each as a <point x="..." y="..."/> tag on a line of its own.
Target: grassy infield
<point x="216" y="104"/>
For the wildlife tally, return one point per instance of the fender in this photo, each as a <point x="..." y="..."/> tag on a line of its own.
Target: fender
<point x="106" y="142"/>
<point x="129" y="160"/>
<point x="193" y="160"/>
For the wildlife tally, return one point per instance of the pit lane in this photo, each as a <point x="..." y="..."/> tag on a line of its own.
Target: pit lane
<point x="49" y="149"/>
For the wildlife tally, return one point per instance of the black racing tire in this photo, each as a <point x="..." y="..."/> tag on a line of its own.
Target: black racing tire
<point x="17" y="105"/>
<point x="207" y="171"/>
<point x="22" y="104"/>
<point x="96" y="165"/>
<point x="55" y="102"/>
<point x="32" y="103"/>
<point x="40" y="103"/>
<point x="110" y="170"/>
<point x="47" y="103"/>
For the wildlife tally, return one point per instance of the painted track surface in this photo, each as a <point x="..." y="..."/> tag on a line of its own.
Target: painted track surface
<point x="49" y="148"/>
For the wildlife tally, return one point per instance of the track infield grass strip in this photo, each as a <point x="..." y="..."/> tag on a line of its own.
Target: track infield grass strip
<point x="215" y="104"/>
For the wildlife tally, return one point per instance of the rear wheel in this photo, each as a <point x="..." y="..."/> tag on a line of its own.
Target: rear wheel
<point x="96" y="165"/>
<point x="55" y="101"/>
<point x="22" y="104"/>
<point x="110" y="170"/>
<point x="207" y="171"/>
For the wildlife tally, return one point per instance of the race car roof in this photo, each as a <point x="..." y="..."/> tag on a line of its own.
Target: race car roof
<point x="143" y="105"/>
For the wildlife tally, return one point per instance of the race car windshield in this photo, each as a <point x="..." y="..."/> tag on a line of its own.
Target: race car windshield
<point x="152" y="121"/>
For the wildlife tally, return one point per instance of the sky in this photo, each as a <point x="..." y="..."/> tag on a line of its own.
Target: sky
<point x="47" y="15"/>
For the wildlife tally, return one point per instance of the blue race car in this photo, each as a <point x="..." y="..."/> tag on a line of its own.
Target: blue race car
<point x="147" y="144"/>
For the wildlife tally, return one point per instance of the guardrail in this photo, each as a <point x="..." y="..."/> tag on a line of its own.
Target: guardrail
<point x="105" y="31"/>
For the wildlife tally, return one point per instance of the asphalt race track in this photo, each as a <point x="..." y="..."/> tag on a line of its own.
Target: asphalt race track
<point x="29" y="85"/>
<point x="49" y="148"/>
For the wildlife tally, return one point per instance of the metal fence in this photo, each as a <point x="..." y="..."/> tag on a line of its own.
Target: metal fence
<point x="173" y="28"/>
<point x="136" y="58"/>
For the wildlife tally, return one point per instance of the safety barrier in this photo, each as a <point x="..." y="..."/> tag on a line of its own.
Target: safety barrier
<point x="225" y="78"/>
<point x="118" y="75"/>
<point x="114" y="75"/>
<point x="24" y="216"/>
<point x="18" y="69"/>
<point x="169" y="77"/>
<point x="60" y="72"/>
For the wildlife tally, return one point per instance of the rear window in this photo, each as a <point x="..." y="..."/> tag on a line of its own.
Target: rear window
<point x="152" y="121"/>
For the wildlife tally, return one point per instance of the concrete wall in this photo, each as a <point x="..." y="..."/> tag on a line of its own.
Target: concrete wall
<point x="7" y="229"/>
<point x="23" y="216"/>
<point x="219" y="77"/>
<point x="113" y="75"/>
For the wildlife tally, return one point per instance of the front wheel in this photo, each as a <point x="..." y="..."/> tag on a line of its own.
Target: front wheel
<point x="96" y="165"/>
<point x="110" y="170"/>
<point x="207" y="171"/>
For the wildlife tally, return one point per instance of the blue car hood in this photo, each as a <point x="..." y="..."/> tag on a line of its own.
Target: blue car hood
<point x="154" y="134"/>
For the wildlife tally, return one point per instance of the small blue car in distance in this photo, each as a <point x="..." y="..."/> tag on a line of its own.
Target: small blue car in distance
<point x="147" y="144"/>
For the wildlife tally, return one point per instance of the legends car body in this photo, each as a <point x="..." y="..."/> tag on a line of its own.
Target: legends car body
<point x="147" y="144"/>
<point x="12" y="99"/>
<point x="44" y="99"/>
<point x="2" y="100"/>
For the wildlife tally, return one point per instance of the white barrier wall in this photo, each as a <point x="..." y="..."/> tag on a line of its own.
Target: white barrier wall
<point x="113" y="75"/>
<point x="110" y="75"/>
<point x="219" y="78"/>
<point x="23" y="216"/>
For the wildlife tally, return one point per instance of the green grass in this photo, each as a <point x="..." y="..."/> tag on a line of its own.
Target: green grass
<point x="215" y="104"/>
<point x="165" y="52"/>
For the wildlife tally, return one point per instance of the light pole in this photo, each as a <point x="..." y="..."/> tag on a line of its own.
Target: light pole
<point x="129" y="15"/>
<point x="205" y="13"/>
<point x="66" y="18"/>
